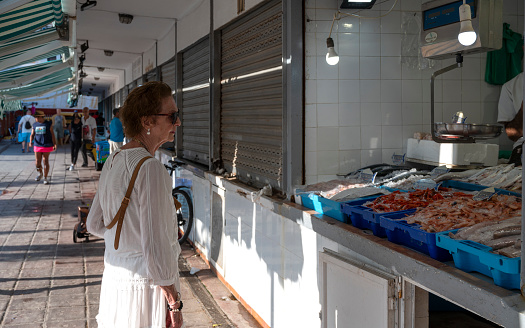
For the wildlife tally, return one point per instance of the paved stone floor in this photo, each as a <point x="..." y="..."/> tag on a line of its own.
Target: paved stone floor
<point x="47" y="280"/>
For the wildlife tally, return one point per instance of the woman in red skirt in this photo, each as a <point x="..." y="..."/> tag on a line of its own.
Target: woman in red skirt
<point x="44" y="143"/>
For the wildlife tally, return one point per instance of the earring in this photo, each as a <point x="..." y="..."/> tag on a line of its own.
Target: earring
<point x="148" y="133"/>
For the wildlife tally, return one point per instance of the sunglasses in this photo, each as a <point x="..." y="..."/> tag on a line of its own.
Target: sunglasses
<point x="174" y="116"/>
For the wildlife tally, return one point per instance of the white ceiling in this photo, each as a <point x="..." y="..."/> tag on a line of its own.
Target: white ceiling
<point x="101" y="27"/>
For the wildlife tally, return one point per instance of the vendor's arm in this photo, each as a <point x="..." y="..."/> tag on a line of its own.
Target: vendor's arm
<point x="514" y="128"/>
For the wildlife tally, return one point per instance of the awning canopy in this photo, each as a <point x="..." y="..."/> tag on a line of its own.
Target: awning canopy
<point x="38" y="52"/>
<point x="45" y="84"/>
<point x="30" y="17"/>
<point x="27" y="35"/>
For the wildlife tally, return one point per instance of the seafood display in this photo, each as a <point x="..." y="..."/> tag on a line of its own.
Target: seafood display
<point x="503" y="236"/>
<point x="330" y="188"/>
<point x="400" y="201"/>
<point x="463" y="211"/>
<point x="504" y="176"/>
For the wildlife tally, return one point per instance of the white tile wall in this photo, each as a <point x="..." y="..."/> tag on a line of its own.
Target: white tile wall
<point x="362" y="110"/>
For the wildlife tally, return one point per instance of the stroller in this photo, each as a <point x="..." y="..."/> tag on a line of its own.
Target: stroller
<point x="80" y="230"/>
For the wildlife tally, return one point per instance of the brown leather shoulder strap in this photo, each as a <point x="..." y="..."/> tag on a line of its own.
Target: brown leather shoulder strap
<point x="119" y="217"/>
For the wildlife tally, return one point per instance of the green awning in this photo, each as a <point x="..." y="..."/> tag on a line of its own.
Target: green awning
<point x="13" y="74"/>
<point x="28" y="41"/>
<point x="30" y="17"/>
<point x="42" y="85"/>
<point x="7" y="5"/>
<point x="33" y="54"/>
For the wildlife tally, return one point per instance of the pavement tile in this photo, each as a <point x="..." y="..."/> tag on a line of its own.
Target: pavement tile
<point x="42" y="269"/>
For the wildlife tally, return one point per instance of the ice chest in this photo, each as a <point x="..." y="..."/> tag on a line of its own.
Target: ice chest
<point x="471" y="256"/>
<point x="400" y="232"/>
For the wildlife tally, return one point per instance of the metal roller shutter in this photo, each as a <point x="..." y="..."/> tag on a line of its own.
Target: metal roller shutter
<point x="168" y="73"/>
<point x="252" y="96"/>
<point x="151" y="75"/>
<point x="196" y="102"/>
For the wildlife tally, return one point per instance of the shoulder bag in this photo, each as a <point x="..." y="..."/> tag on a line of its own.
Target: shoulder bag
<point x="119" y="217"/>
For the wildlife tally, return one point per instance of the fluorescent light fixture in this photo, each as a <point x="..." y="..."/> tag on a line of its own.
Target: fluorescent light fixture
<point x="332" y="58"/>
<point x="125" y="18"/>
<point x="87" y="5"/>
<point x="357" y="4"/>
<point x="467" y="36"/>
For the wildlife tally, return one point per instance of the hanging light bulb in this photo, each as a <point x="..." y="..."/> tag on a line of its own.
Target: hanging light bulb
<point x="332" y="58"/>
<point x="467" y="36"/>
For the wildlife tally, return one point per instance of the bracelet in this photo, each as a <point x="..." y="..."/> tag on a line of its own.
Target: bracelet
<point x="177" y="309"/>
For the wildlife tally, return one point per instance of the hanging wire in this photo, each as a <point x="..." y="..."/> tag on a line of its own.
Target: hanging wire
<point x="339" y="14"/>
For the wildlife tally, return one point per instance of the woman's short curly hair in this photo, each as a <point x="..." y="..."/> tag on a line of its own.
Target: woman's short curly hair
<point x="145" y="100"/>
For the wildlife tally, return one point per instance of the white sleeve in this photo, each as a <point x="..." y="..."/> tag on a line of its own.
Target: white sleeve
<point x="157" y="223"/>
<point x="95" y="219"/>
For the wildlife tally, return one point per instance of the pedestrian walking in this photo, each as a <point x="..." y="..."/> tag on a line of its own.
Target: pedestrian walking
<point x="140" y="285"/>
<point x="24" y="130"/>
<point x="89" y="128"/>
<point x="75" y="132"/>
<point x="116" y="132"/>
<point x="59" y="124"/>
<point x="44" y="143"/>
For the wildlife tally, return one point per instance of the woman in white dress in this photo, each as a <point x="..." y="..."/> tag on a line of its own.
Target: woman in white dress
<point x="140" y="284"/>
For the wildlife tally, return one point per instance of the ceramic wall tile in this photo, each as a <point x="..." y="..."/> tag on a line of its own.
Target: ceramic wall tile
<point x="391" y="23"/>
<point x="370" y="68"/>
<point x="310" y="115"/>
<point x="310" y="91"/>
<point x="370" y="90"/>
<point x="349" y="91"/>
<point x="391" y="90"/>
<point x="327" y="91"/>
<point x="310" y="159"/>
<point x="411" y="91"/>
<point x="412" y="113"/>
<point x="391" y="44"/>
<point x="327" y="162"/>
<point x="310" y="139"/>
<point x="370" y="44"/>
<point x="349" y="161"/>
<point x="473" y="110"/>
<point x="452" y="90"/>
<point x="327" y="115"/>
<point x="327" y="138"/>
<point x="370" y="113"/>
<point x="370" y="156"/>
<point x="348" y="44"/>
<point x="391" y="114"/>
<point x="371" y="137"/>
<point x="390" y="68"/>
<point x="325" y="71"/>
<point x="348" y="67"/>
<point x="349" y="114"/>
<point x="350" y="138"/>
<point x="392" y="136"/>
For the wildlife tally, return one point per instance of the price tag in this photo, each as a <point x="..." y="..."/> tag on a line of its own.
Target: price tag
<point x="367" y="176"/>
<point x="398" y="159"/>
<point x="439" y="171"/>
<point x="425" y="184"/>
<point x="485" y="194"/>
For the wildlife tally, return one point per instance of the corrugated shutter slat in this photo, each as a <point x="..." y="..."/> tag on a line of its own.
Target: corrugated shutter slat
<point x="251" y="96"/>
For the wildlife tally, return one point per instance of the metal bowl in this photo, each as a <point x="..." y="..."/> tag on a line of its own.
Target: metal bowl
<point x="466" y="130"/>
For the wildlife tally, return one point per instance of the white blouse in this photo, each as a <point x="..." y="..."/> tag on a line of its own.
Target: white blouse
<point x="148" y="251"/>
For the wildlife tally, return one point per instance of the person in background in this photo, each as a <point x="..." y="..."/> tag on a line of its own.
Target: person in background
<point x="116" y="132"/>
<point x="142" y="275"/>
<point x="24" y="130"/>
<point x="44" y="140"/>
<point x="59" y="123"/>
<point x="510" y="113"/>
<point x="89" y="128"/>
<point x="75" y="132"/>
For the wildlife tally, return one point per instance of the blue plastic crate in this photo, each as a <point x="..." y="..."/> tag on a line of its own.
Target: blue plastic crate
<point x="363" y="217"/>
<point x="471" y="256"/>
<point x="474" y="187"/>
<point x="324" y="206"/>
<point x="400" y="232"/>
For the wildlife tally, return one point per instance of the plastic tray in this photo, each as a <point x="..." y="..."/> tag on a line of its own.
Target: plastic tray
<point x="400" y="232"/>
<point x="474" y="187"/>
<point x="471" y="256"/>
<point x="363" y="217"/>
<point x="324" y="206"/>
